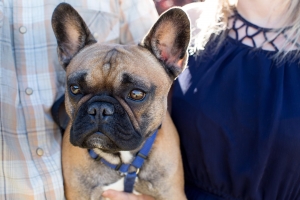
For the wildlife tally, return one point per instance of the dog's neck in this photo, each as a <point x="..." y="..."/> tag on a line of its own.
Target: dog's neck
<point x="125" y="157"/>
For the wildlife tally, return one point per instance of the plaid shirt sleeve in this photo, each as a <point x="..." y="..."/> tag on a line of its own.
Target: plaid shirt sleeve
<point x="31" y="79"/>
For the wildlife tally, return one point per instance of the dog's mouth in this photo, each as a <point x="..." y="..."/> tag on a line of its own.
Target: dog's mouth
<point x="100" y="141"/>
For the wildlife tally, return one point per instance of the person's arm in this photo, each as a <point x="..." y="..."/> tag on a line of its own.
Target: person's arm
<point x="136" y="19"/>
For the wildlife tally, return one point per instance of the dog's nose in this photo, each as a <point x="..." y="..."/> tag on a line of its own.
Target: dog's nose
<point x="101" y="109"/>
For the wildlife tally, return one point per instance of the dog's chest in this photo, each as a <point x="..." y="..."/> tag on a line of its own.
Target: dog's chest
<point x="107" y="177"/>
<point x="111" y="179"/>
<point x="118" y="185"/>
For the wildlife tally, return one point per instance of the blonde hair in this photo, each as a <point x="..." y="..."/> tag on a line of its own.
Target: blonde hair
<point x="214" y="20"/>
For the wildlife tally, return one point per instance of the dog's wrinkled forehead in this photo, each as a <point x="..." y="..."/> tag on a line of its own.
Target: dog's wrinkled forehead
<point x="102" y="66"/>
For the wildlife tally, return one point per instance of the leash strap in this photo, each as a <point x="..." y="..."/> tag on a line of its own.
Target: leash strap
<point x="144" y="152"/>
<point x="129" y="182"/>
<point x="138" y="162"/>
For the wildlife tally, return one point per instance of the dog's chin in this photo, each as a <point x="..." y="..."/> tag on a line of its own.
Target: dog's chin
<point x="100" y="141"/>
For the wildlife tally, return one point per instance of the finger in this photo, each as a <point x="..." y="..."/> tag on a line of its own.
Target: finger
<point x="116" y="195"/>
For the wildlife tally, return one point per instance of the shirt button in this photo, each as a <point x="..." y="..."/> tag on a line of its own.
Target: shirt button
<point x="22" y="29"/>
<point x="39" y="151"/>
<point x="28" y="91"/>
<point x="95" y="35"/>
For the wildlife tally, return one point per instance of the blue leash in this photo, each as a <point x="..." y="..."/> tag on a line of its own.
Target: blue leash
<point x="123" y="168"/>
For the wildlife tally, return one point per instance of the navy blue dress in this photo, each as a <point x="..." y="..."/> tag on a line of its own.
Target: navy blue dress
<point x="237" y="112"/>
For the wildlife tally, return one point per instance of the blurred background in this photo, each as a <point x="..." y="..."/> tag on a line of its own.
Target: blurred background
<point x="162" y="5"/>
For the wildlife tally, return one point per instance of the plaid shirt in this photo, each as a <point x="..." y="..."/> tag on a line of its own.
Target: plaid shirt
<point x="31" y="79"/>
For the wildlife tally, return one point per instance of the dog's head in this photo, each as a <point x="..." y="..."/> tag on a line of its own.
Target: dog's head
<point x="116" y="95"/>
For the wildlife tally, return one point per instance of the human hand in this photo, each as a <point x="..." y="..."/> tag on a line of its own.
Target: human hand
<point x="116" y="195"/>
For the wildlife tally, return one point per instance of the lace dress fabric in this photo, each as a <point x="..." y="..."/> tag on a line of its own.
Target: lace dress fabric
<point x="262" y="38"/>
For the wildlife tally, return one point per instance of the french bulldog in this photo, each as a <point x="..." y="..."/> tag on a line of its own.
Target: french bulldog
<point x="116" y="99"/>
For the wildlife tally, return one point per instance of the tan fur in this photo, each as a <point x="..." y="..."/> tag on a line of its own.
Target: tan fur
<point x="105" y="118"/>
<point x="131" y="57"/>
<point x="165" y="152"/>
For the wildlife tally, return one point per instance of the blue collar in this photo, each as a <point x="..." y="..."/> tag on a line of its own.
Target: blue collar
<point x="123" y="168"/>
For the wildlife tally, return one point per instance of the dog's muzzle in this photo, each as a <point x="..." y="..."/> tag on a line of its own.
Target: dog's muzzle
<point x="103" y="123"/>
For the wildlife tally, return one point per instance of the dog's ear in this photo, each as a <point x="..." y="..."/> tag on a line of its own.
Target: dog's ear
<point x="71" y="33"/>
<point x="169" y="39"/>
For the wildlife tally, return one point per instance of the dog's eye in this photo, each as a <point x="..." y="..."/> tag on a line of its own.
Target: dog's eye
<point x="136" y="95"/>
<point x="75" y="89"/>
